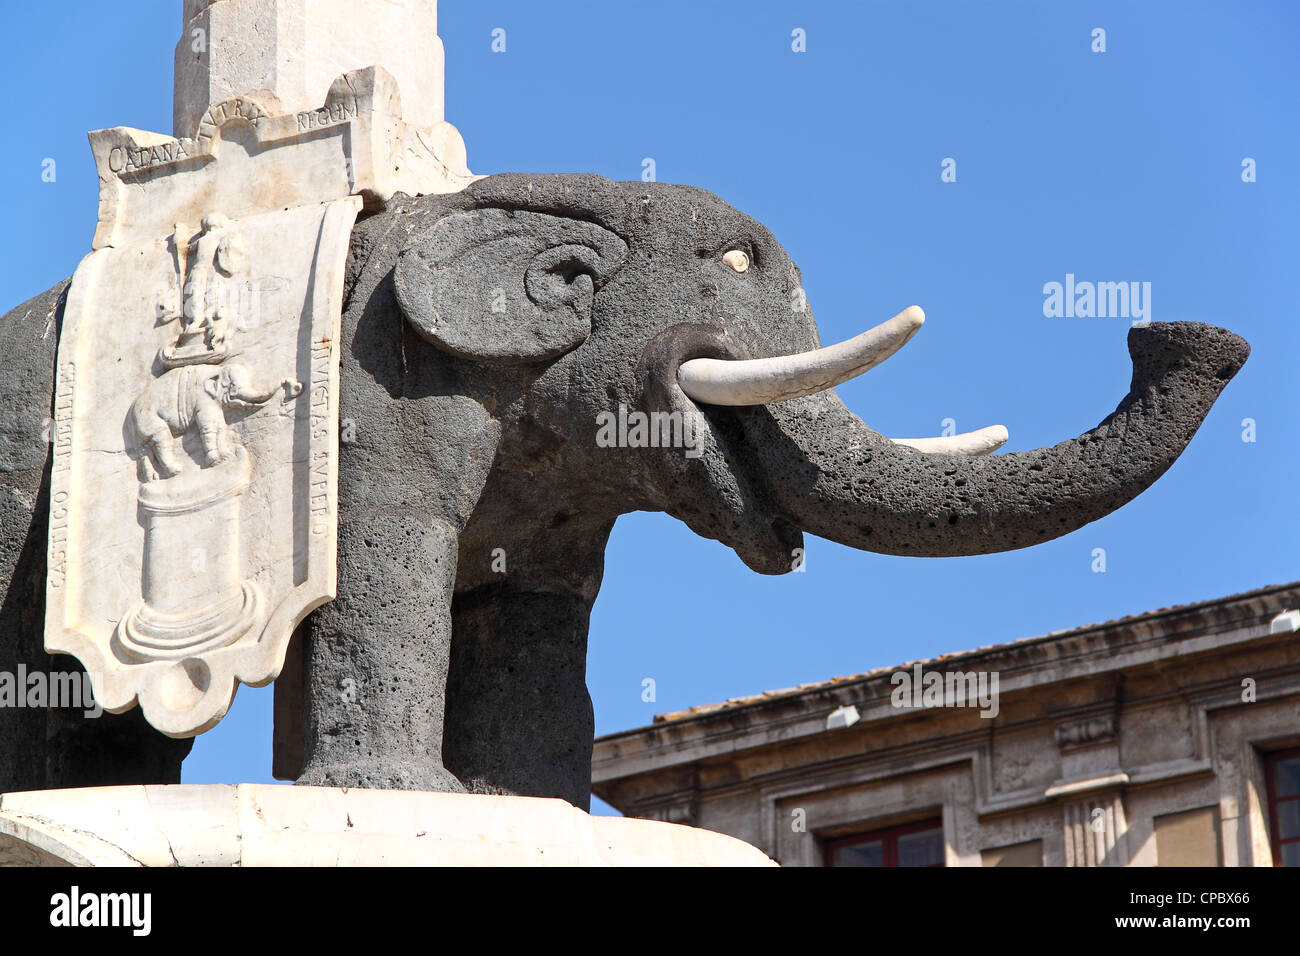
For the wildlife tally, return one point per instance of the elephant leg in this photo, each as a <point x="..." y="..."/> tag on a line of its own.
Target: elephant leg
<point x="211" y="422"/>
<point x="215" y="447"/>
<point x="145" y="468"/>
<point x="159" y="446"/>
<point x="519" y="718"/>
<point x="165" y="458"/>
<point x="376" y="658"/>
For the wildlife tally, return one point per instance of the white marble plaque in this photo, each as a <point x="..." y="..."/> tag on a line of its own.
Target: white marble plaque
<point x="193" y="517"/>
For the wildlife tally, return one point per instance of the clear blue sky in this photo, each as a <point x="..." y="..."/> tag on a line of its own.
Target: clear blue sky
<point x="1115" y="166"/>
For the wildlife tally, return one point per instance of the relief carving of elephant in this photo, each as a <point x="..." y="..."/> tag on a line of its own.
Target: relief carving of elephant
<point x="486" y="335"/>
<point x="193" y="397"/>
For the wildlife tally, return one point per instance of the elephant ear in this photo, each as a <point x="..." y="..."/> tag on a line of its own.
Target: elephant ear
<point x="212" y="384"/>
<point x="505" y="286"/>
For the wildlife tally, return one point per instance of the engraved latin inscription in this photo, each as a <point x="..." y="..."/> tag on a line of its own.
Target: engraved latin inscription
<point x="326" y="116"/>
<point x="320" y="435"/>
<point x="58" y="538"/>
<point x="63" y="417"/>
<point x="219" y="114"/>
<point x="58" y="567"/>
<point x="127" y="159"/>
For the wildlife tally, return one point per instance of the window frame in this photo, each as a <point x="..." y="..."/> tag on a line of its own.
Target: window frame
<point x="1271" y="760"/>
<point x="888" y="839"/>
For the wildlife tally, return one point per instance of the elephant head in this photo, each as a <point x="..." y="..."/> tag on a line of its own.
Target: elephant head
<point x="232" y="386"/>
<point x="665" y="299"/>
<point x="487" y="336"/>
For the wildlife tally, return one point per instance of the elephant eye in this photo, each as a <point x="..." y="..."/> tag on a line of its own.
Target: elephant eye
<point x="738" y="259"/>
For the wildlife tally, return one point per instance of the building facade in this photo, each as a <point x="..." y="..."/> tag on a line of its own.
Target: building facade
<point x="1168" y="738"/>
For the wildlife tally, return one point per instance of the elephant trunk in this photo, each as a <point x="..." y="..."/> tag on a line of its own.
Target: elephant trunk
<point x="832" y="476"/>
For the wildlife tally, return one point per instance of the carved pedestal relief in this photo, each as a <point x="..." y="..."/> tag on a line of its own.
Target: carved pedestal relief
<point x="193" y="512"/>
<point x="184" y="510"/>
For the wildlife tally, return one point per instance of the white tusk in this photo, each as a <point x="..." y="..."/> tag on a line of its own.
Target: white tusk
<point x="969" y="443"/>
<point x="759" y="381"/>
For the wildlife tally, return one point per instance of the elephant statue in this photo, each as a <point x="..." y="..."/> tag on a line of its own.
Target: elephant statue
<point x="516" y="360"/>
<point x="193" y="397"/>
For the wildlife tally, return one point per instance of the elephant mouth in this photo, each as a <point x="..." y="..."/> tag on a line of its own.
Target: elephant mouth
<point x="717" y="488"/>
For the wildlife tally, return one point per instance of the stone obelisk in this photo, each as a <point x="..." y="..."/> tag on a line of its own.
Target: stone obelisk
<point x="294" y="49"/>
<point x="288" y="54"/>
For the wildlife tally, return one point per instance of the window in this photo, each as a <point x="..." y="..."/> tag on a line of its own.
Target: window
<point x="1282" y="776"/>
<point x="913" y="844"/>
<point x="1029" y="853"/>
<point x="1189" y="838"/>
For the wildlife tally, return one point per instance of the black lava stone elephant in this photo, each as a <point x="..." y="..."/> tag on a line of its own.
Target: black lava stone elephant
<point x="490" y="339"/>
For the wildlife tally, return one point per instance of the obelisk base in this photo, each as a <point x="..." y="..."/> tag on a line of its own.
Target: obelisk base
<point x="269" y="825"/>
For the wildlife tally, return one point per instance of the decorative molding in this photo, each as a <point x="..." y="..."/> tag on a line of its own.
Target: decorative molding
<point x="1087" y="732"/>
<point x="1086" y="784"/>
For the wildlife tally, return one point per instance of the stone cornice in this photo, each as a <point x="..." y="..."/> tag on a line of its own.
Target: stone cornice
<point x="1090" y="652"/>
